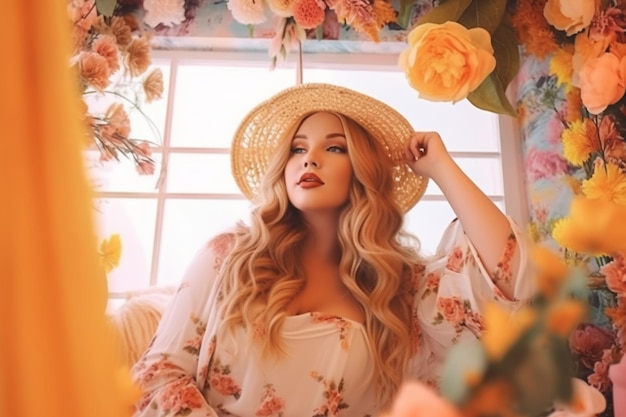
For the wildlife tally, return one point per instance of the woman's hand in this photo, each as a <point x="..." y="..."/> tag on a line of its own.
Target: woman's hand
<point x="426" y="154"/>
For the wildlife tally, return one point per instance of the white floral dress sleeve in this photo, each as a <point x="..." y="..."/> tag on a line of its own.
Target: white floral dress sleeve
<point x="167" y="373"/>
<point x="451" y="291"/>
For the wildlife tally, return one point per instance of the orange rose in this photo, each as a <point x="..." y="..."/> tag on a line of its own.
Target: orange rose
<point x="572" y="16"/>
<point x="602" y="82"/>
<point x="446" y="62"/>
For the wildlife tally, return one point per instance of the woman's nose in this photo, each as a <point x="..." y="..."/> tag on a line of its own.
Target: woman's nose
<point x="310" y="162"/>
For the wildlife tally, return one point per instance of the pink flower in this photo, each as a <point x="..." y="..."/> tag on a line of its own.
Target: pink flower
<point x="615" y="273"/>
<point x="417" y="400"/>
<point x="452" y="309"/>
<point x="589" y="342"/>
<point x="543" y="165"/>
<point x="455" y="260"/>
<point x="602" y="81"/>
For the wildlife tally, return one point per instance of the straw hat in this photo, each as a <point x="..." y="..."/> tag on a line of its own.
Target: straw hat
<point x="258" y="134"/>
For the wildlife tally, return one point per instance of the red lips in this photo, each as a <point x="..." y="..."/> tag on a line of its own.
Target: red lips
<point x="309" y="179"/>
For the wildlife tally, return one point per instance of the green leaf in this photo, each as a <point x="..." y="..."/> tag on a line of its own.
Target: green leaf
<point x="462" y="360"/>
<point x="506" y="52"/>
<point x="486" y="14"/>
<point x="319" y="32"/>
<point x="404" y="14"/>
<point x="490" y="96"/>
<point x="106" y="7"/>
<point x="445" y="11"/>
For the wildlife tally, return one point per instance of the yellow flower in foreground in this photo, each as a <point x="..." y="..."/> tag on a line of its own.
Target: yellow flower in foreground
<point x="579" y="141"/>
<point x="551" y="270"/>
<point x="110" y="252"/>
<point x="594" y="227"/>
<point x="564" y="316"/>
<point x="607" y="182"/>
<point x="445" y="62"/>
<point x="503" y="329"/>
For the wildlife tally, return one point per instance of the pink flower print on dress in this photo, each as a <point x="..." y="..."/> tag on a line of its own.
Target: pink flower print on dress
<point x="220" y="380"/>
<point x="180" y="397"/>
<point x="455" y="260"/>
<point x="332" y="393"/>
<point x="432" y="284"/>
<point x="342" y="325"/>
<point x="271" y="405"/>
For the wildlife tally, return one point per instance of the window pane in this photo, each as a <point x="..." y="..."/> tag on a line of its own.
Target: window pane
<point x="187" y="225"/>
<point x="133" y="220"/>
<point x="211" y="101"/>
<point x="198" y="173"/>
<point x="462" y="126"/>
<point x="121" y="176"/>
<point x="486" y="173"/>
<point x="428" y="220"/>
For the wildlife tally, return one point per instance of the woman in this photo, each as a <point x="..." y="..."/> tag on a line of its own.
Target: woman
<point x="322" y="305"/>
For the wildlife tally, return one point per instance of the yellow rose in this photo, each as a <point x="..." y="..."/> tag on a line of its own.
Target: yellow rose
<point x="572" y="16"/>
<point x="446" y="62"/>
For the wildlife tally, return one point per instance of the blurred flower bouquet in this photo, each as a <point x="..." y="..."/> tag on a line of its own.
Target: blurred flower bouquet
<point x="111" y="58"/>
<point x="521" y="366"/>
<point x="584" y="42"/>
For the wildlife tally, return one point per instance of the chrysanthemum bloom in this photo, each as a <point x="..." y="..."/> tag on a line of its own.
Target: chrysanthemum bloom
<point x="247" y="12"/>
<point x="309" y="13"/>
<point x="563" y="316"/>
<point x="448" y="61"/>
<point x="165" y="12"/>
<point x="608" y="182"/>
<point x="153" y="85"/>
<point x="94" y="69"/>
<point x="579" y="141"/>
<point x="138" y="56"/>
<point x="105" y="45"/>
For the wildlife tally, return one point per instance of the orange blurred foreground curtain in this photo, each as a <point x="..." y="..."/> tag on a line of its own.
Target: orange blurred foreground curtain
<point x="56" y="352"/>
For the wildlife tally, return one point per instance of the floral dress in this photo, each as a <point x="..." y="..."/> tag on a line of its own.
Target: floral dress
<point x="187" y="371"/>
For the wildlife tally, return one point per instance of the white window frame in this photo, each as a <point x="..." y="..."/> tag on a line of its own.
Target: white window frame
<point x="513" y="198"/>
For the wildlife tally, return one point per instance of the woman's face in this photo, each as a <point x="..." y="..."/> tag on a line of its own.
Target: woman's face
<point x="318" y="173"/>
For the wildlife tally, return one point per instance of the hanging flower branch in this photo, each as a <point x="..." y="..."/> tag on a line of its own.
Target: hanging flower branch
<point x="111" y="58"/>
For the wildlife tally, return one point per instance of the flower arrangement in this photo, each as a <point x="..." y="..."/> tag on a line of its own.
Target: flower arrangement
<point x="584" y="46"/>
<point x="111" y="58"/>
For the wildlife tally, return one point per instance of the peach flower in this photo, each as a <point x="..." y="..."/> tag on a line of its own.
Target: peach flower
<point x="446" y="62"/>
<point x="572" y="16"/>
<point x="602" y="82"/>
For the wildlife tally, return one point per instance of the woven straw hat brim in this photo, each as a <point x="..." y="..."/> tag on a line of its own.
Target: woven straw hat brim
<point x="258" y="134"/>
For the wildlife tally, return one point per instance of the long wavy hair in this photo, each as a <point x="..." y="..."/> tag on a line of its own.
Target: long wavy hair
<point x="260" y="278"/>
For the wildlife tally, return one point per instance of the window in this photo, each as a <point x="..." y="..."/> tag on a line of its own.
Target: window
<point x="207" y="94"/>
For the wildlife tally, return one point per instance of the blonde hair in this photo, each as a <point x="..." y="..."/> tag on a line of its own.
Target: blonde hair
<point x="260" y="277"/>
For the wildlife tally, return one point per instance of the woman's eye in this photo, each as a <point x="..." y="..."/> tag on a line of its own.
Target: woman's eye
<point x="297" y="150"/>
<point x="338" y="149"/>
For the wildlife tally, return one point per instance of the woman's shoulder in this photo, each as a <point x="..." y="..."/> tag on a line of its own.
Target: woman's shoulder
<point x="221" y="244"/>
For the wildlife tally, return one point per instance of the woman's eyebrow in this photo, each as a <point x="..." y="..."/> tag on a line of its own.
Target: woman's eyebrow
<point x="329" y="136"/>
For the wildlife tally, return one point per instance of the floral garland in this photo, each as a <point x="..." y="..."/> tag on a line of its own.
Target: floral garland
<point x="584" y="43"/>
<point x="111" y="58"/>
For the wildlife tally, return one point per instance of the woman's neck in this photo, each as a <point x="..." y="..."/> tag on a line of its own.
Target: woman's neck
<point x="322" y="242"/>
